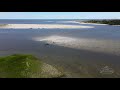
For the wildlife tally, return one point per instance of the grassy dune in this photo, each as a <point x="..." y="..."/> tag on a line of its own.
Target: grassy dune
<point x="26" y="66"/>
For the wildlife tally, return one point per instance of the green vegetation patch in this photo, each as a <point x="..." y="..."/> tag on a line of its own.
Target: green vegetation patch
<point x="110" y="22"/>
<point x="26" y="66"/>
<point x="3" y="24"/>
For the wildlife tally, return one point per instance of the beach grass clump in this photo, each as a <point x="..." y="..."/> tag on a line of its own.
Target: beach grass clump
<point x="3" y="24"/>
<point x="26" y="66"/>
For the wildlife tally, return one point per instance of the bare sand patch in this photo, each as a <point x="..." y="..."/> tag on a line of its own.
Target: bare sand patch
<point x="43" y="26"/>
<point x="85" y="44"/>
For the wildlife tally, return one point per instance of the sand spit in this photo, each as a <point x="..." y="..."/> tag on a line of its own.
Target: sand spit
<point x="85" y="44"/>
<point x="43" y="26"/>
<point x="96" y="24"/>
<point x="92" y="23"/>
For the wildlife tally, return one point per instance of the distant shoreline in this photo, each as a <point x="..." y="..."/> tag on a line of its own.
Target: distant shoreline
<point x="41" y="26"/>
<point x="92" y="23"/>
<point x="106" y="22"/>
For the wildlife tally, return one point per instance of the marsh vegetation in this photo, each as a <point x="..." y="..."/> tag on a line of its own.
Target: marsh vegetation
<point x="26" y="66"/>
<point x="3" y="24"/>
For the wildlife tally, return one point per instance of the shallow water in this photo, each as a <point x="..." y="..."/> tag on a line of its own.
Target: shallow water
<point x="78" y="52"/>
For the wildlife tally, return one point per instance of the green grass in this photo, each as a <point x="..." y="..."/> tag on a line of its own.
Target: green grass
<point x="21" y="66"/>
<point x="3" y="24"/>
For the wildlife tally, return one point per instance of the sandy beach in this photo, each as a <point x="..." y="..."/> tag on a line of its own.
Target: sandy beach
<point x="43" y="26"/>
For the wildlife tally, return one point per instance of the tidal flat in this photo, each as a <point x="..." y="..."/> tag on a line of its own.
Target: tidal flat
<point x="78" y="52"/>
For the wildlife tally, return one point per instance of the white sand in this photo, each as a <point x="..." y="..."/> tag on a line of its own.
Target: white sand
<point x="45" y="26"/>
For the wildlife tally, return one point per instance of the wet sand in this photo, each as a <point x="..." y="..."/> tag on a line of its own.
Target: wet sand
<point x="104" y="46"/>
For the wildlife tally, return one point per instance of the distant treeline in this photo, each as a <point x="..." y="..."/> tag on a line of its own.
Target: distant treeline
<point x="110" y="22"/>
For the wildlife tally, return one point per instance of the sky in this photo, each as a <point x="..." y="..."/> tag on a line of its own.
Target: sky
<point x="59" y="15"/>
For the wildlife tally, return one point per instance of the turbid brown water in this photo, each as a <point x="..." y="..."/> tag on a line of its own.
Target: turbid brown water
<point x="85" y="52"/>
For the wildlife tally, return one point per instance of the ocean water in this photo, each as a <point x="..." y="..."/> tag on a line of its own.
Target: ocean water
<point x="34" y="21"/>
<point x="79" y="52"/>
